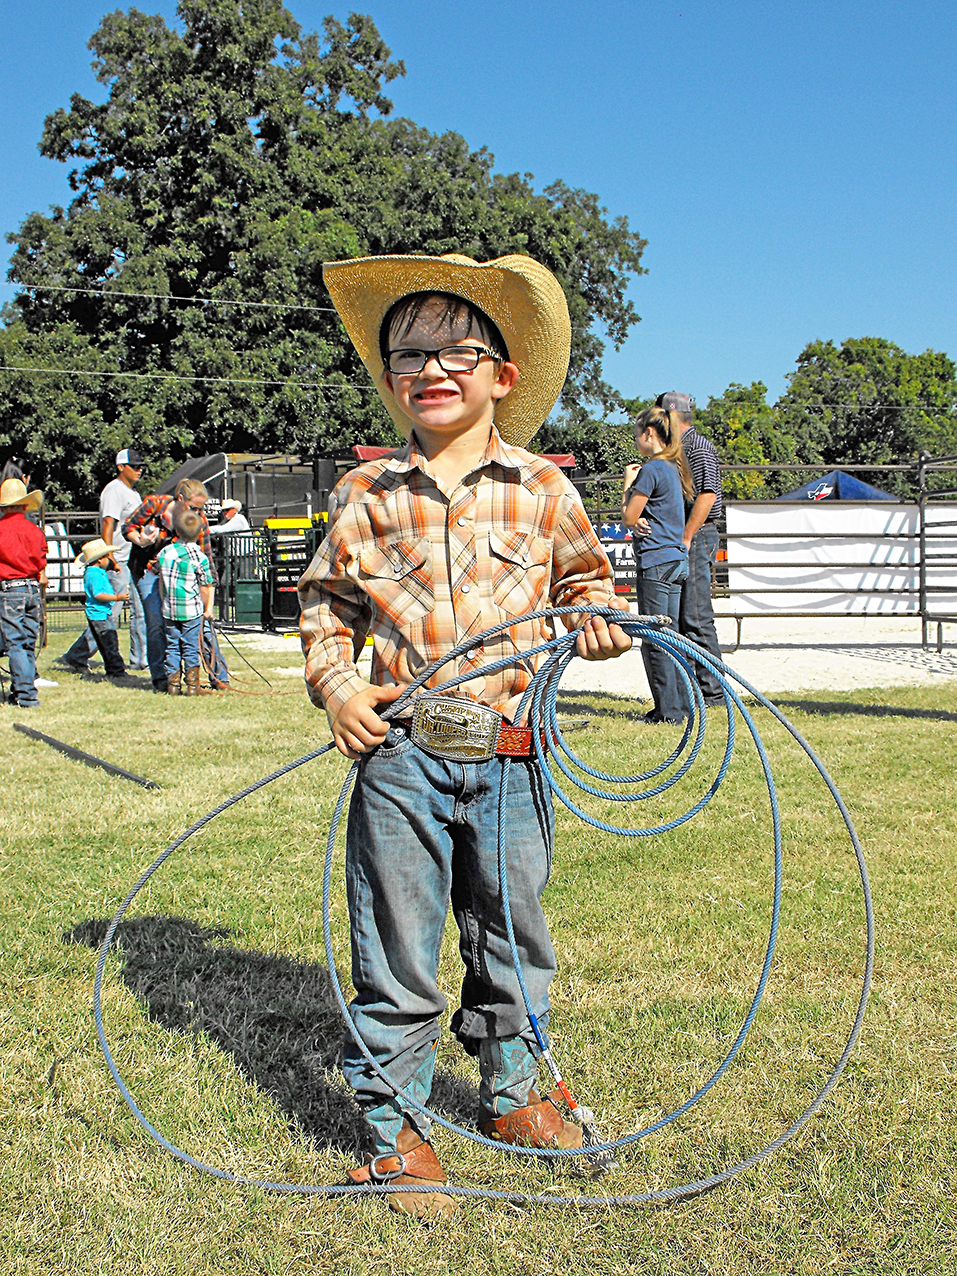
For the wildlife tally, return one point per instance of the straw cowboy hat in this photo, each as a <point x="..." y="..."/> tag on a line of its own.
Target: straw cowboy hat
<point x="522" y="297"/>
<point x="14" y="492"/>
<point x="93" y="551"/>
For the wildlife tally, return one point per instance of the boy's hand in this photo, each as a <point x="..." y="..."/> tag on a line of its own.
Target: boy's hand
<point x="600" y="641"/>
<point x="357" y="728"/>
<point x="208" y="612"/>
<point x="123" y="596"/>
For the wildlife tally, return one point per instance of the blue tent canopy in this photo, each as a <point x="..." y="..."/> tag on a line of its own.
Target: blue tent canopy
<point x="837" y="486"/>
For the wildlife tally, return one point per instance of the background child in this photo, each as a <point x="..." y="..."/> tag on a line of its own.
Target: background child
<point x="657" y="493"/>
<point x="186" y="581"/>
<point x="458" y="530"/>
<point x="100" y="597"/>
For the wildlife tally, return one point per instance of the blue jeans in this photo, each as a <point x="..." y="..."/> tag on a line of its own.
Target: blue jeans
<point x="182" y="644"/>
<point x="659" y="594"/>
<point x="85" y="646"/>
<point x="149" y="590"/>
<point x="423" y="833"/>
<point x="122" y="580"/>
<point x="696" y="618"/>
<point x="19" y="627"/>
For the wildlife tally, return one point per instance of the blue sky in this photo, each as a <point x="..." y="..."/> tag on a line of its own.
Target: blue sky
<point x="792" y="166"/>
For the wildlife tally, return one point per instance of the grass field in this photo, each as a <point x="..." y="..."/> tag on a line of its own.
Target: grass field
<point x="219" y="1011"/>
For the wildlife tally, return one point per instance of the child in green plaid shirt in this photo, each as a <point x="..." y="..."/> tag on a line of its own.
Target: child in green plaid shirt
<point x="186" y="583"/>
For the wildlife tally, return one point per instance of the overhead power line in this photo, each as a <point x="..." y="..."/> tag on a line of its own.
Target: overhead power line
<point x="169" y="376"/>
<point x="168" y="296"/>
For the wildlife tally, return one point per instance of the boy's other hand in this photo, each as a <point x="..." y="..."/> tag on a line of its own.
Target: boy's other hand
<point x="357" y="727"/>
<point x="601" y="641"/>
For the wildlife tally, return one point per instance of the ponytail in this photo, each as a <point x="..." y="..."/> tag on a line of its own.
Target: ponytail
<point x="667" y="426"/>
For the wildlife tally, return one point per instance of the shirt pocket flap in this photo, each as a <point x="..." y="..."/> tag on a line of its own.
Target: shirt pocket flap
<point x="394" y="561"/>
<point x="520" y="549"/>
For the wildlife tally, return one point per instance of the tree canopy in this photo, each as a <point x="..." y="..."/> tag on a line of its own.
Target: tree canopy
<point x="228" y="161"/>
<point x="867" y="400"/>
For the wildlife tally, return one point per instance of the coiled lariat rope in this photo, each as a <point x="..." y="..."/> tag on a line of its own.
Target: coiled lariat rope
<point x="539" y="703"/>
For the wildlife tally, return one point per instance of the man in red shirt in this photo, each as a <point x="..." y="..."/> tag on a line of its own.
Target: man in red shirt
<point x="23" y="560"/>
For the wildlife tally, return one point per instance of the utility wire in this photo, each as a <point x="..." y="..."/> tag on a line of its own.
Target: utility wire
<point x="162" y="296"/>
<point x="169" y="376"/>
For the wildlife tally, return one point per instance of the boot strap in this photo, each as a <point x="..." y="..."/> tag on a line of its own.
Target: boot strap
<point x="420" y="1163"/>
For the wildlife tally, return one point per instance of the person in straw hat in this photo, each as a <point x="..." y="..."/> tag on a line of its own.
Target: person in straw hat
<point x="459" y="529"/>
<point x="23" y="560"/>
<point x="100" y="598"/>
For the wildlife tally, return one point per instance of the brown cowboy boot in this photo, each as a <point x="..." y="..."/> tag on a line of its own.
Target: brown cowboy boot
<point x="192" y="681"/>
<point x="413" y="1162"/>
<point x="538" y="1125"/>
<point x="174" y="684"/>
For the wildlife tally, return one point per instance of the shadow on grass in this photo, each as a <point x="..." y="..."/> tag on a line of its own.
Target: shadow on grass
<point x="128" y="682"/>
<point x="826" y="707"/>
<point x="277" y="1018"/>
<point x="607" y="705"/>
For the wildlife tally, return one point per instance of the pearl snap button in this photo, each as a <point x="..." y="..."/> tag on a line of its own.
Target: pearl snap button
<point x="462" y="522"/>
<point x="466" y="588"/>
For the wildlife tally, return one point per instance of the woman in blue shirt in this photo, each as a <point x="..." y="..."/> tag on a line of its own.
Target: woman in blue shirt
<point x="657" y="494"/>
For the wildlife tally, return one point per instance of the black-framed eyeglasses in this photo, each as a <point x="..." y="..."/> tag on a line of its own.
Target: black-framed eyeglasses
<point x="449" y="358"/>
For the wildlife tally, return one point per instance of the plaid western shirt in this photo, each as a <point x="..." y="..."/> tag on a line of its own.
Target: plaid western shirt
<point x="421" y="570"/>
<point x="182" y="567"/>
<point x="158" y="509"/>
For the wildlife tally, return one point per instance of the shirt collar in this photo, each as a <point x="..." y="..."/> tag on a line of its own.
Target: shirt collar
<point x="498" y="452"/>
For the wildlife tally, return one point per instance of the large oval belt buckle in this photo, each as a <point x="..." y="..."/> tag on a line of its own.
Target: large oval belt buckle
<point x="459" y="730"/>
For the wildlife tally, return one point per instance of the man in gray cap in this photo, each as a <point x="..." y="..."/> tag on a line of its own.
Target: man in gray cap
<point x="696" y="617"/>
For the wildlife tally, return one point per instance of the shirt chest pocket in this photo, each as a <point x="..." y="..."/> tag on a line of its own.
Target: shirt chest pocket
<point x="398" y="580"/>
<point x="521" y="571"/>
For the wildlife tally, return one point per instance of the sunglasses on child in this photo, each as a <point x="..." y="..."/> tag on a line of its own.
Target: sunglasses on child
<point x="449" y="358"/>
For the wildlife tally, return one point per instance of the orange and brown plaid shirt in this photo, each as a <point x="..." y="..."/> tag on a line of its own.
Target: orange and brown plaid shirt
<point x="421" y="569"/>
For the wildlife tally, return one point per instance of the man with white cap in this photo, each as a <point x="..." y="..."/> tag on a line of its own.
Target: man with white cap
<point x="118" y="500"/>
<point x="234" y="520"/>
<point x="23" y="560"/>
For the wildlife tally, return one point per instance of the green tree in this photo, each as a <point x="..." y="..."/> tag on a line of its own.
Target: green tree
<point x="220" y="168"/>
<point x="868" y="401"/>
<point x="747" y="430"/>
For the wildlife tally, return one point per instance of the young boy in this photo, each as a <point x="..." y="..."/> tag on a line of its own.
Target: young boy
<point x="458" y="530"/>
<point x="186" y="582"/>
<point x="100" y="598"/>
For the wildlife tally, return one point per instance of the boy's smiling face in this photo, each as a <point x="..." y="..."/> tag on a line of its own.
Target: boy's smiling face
<point x="442" y="405"/>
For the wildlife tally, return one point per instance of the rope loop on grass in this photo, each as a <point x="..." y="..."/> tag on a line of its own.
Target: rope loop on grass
<point x="539" y="710"/>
